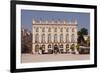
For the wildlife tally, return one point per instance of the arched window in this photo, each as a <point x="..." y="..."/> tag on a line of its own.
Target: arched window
<point x="43" y="47"/>
<point x="72" y="47"/>
<point x="43" y="29"/>
<point x="49" y="38"/>
<point x="72" y="38"/>
<point x="55" y="38"/>
<point x="36" y="38"/>
<point x="49" y="29"/>
<point x="43" y="38"/>
<point x="55" y="30"/>
<point x="61" y="37"/>
<point x="67" y="46"/>
<point x="67" y="37"/>
<point x="37" y="29"/>
<point x="73" y="29"/>
<point x="36" y="48"/>
<point x="67" y="29"/>
<point x="61" y="46"/>
<point x="49" y="46"/>
<point x="61" y="29"/>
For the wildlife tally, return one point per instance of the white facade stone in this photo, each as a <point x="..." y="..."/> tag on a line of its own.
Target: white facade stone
<point x="52" y="25"/>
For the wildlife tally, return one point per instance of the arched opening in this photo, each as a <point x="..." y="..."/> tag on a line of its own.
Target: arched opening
<point x="55" y="45"/>
<point x="61" y="48"/>
<point x="43" y="47"/>
<point x="67" y="47"/>
<point x="73" y="29"/>
<point x="67" y="38"/>
<point x="72" y="38"/>
<point x="36" y="48"/>
<point x="49" y="38"/>
<point x="55" y="30"/>
<point x="37" y="38"/>
<point x="50" y="50"/>
<point x="43" y="29"/>
<point x="72" y="47"/>
<point x="49" y="30"/>
<point x="56" y="49"/>
<point x="43" y="38"/>
<point x="55" y="38"/>
<point x="61" y="38"/>
<point x="49" y="46"/>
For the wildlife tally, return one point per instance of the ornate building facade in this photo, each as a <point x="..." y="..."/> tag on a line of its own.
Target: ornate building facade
<point x="48" y="34"/>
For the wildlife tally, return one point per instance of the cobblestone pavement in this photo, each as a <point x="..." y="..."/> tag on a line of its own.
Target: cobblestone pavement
<point x="52" y="57"/>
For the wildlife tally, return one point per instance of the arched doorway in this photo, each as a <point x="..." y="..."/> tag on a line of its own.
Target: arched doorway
<point x="49" y="46"/>
<point x="43" y="49"/>
<point x="56" y="49"/>
<point x="36" y="48"/>
<point x="61" y="49"/>
<point x="50" y="50"/>
<point x="67" y="48"/>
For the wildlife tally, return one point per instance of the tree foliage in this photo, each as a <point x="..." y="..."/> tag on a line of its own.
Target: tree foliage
<point x="81" y="33"/>
<point x="26" y="41"/>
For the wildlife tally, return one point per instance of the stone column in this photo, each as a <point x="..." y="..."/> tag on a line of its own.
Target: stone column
<point x="76" y="49"/>
<point x="46" y="39"/>
<point x="33" y="39"/>
<point x="40" y="35"/>
<point x="46" y="48"/>
<point x="70" y="33"/>
<point x="64" y="47"/>
<point x="46" y="35"/>
<point x="33" y="48"/>
<point x="76" y="40"/>
<point x="52" y="35"/>
<point x="69" y="47"/>
<point x="58" y="32"/>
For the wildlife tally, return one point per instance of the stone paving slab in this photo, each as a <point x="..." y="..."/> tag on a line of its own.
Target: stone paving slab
<point x="29" y="58"/>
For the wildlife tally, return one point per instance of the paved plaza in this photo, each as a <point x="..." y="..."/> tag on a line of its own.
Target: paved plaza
<point x="29" y="58"/>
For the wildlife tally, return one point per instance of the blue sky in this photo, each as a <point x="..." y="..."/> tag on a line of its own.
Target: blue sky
<point x="27" y="16"/>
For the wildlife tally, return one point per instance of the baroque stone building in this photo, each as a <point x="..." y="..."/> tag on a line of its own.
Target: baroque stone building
<point x="48" y="34"/>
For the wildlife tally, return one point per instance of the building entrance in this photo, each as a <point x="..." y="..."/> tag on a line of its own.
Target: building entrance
<point x="56" y="49"/>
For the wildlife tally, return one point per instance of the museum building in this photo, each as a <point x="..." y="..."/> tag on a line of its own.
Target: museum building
<point x="50" y="34"/>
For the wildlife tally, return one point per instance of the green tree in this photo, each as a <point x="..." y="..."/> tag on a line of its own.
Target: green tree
<point x="26" y="41"/>
<point x="81" y="33"/>
<point x="73" y="47"/>
<point x="84" y="31"/>
<point x="77" y="46"/>
<point x="88" y="42"/>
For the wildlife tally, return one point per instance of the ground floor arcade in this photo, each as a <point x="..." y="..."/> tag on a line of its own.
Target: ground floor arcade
<point x="59" y="47"/>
